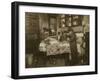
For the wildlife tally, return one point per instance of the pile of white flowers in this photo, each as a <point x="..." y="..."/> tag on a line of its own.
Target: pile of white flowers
<point x="54" y="47"/>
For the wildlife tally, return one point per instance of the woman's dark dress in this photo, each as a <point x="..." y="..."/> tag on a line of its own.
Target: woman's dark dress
<point x="73" y="47"/>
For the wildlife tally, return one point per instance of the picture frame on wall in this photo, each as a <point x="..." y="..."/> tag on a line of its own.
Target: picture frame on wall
<point x="50" y="40"/>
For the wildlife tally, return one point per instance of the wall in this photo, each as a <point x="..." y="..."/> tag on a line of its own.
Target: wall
<point x="5" y="40"/>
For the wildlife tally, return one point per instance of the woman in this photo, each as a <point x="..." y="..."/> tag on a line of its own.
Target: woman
<point x="73" y="47"/>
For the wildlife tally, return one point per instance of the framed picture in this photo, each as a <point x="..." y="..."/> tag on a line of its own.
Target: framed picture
<point x="51" y="40"/>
